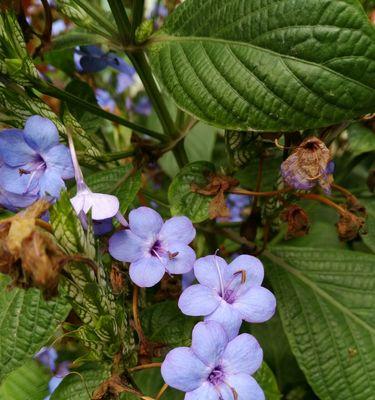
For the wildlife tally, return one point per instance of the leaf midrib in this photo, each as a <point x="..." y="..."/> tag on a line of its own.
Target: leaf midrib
<point x="162" y="38"/>
<point x="346" y="311"/>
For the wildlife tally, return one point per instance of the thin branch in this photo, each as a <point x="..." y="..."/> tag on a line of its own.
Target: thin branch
<point x="161" y="392"/>
<point x="323" y="200"/>
<point x="138" y="9"/>
<point x="137" y="321"/>
<point x="122" y="20"/>
<point x="145" y="366"/>
<point x="259" y="194"/>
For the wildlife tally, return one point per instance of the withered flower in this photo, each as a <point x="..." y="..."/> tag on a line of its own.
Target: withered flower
<point x="349" y="226"/>
<point x="217" y="186"/>
<point x="297" y="220"/>
<point x="309" y="165"/>
<point x="28" y="252"/>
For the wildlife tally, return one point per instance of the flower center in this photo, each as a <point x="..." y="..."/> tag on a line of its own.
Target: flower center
<point x="229" y="296"/>
<point x="33" y="169"/>
<point x="156" y="249"/>
<point x="216" y="376"/>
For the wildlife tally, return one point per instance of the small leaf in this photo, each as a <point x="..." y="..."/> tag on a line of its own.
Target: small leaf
<point x="72" y="39"/>
<point x="29" y="382"/>
<point x="164" y="323"/>
<point x="27" y="322"/>
<point x="267" y="381"/>
<point x="361" y="139"/>
<point x="81" y="383"/>
<point x="183" y="200"/>
<point x="326" y="300"/>
<point x="269" y="66"/>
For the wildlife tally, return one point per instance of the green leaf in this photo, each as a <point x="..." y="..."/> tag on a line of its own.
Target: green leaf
<point x="181" y="197"/>
<point x="29" y="382"/>
<point x="27" y="322"/>
<point x="72" y="39"/>
<point x="275" y="65"/>
<point x="326" y="301"/>
<point x="120" y="181"/>
<point x="266" y="379"/>
<point x="361" y="139"/>
<point x="164" y="323"/>
<point x="369" y="236"/>
<point x="81" y="383"/>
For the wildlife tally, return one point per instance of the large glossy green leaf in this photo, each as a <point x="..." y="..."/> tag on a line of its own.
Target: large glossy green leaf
<point x="326" y="300"/>
<point x="29" y="382"/>
<point x="27" y="322"/>
<point x="268" y="65"/>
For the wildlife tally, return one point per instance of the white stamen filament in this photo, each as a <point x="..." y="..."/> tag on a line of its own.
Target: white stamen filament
<point x="219" y="272"/>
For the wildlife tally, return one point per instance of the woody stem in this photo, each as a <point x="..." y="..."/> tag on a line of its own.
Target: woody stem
<point x="321" y="199"/>
<point x="260" y="194"/>
<point x="137" y="321"/>
<point x="145" y="366"/>
<point x="341" y="189"/>
<point x="161" y="392"/>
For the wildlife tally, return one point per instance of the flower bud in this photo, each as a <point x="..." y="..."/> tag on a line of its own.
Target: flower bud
<point x="297" y="220"/>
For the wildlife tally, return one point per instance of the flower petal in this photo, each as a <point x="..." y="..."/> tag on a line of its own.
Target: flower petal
<point x="257" y="304"/>
<point x="58" y="158"/>
<point x="183" y="261"/>
<point x="184" y="371"/>
<point x="125" y="246"/>
<point x="252" y="266"/>
<point x="242" y="355"/>
<point x="145" y="222"/>
<point x="204" y="392"/>
<point x="146" y="272"/>
<point x="103" y="206"/>
<point x="207" y="269"/>
<point x="198" y="300"/>
<point x="40" y="133"/>
<point x="12" y="201"/>
<point x="246" y="387"/>
<point x="209" y="342"/>
<point x="187" y="279"/>
<point x="177" y="229"/>
<point x="51" y="183"/>
<point x="12" y="181"/>
<point x="14" y="151"/>
<point x="228" y="317"/>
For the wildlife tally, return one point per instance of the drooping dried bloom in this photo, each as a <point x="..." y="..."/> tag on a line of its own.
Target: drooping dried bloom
<point x="297" y="220"/>
<point x="309" y="165"/>
<point x="28" y="253"/>
<point x="349" y="226"/>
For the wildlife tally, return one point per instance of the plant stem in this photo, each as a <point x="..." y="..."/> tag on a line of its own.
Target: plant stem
<point x="259" y="194"/>
<point x="53" y="91"/>
<point x="138" y="9"/>
<point x="161" y="392"/>
<point x="145" y="366"/>
<point x="324" y="200"/>
<point x="137" y="321"/>
<point x="122" y="20"/>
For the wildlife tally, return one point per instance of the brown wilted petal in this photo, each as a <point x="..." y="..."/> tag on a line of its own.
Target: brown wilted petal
<point x="349" y="226"/>
<point x="297" y="220"/>
<point x="310" y="164"/>
<point x="117" y="280"/>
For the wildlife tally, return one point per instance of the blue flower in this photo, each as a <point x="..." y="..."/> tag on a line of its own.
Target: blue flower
<point x="105" y="100"/>
<point x="229" y="293"/>
<point x="154" y="247"/>
<point x="215" y="367"/>
<point x="141" y="106"/>
<point x="236" y="204"/>
<point x="34" y="162"/>
<point x="187" y="279"/>
<point x="89" y="59"/>
<point x="47" y="356"/>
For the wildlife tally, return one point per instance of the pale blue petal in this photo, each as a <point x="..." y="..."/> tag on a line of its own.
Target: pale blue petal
<point x="252" y="266"/>
<point x="198" y="300"/>
<point x="126" y="247"/>
<point x="187" y="279"/>
<point x="209" y="342"/>
<point x="14" y="151"/>
<point x="208" y="271"/>
<point x="51" y="183"/>
<point x="145" y="222"/>
<point x="204" y="392"/>
<point x="178" y="229"/>
<point x="184" y="260"/>
<point x="12" y="181"/>
<point x="257" y="304"/>
<point x="183" y="370"/>
<point x="40" y="133"/>
<point x="146" y="272"/>
<point x="226" y="315"/>
<point x="13" y="201"/>
<point x="58" y="158"/>
<point x="246" y="387"/>
<point x="242" y="355"/>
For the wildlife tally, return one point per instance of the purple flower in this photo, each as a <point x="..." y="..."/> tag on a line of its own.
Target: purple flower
<point x="154" y="247"/>
<point x="142" y="106"/>
<point x="61" y="372"/>
<point x="102" y="206"/>
<point x="102" y="227"/>
<point x="105" y="100"/>
<point x="125" y="80"/>
<point x="34" y="162"/>
<point x="236" y="203"/>
<point x="47" y="356"/>
<point x="215" y="368"/>
<point x="229" y="293"/>
<point x="89" y="59"/>
<point x="187" y="279"/>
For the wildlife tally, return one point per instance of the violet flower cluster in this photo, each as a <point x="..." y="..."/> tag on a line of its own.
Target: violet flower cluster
<point x="219" y="363"/>
<point x="32" y="163"/>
